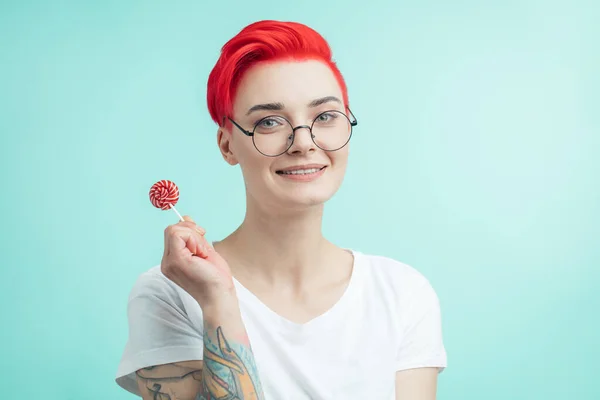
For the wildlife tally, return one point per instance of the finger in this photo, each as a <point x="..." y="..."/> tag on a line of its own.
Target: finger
<point x="168" y="233"/>
<point x="184" y="243"/>
<point x="172" y="231"/>
<point x="202" y="249"/>
<point x="182" y="237"/>
<point x="187" y="218"/>
<point x="191" y="224"/>
<point x="193" y="245"/>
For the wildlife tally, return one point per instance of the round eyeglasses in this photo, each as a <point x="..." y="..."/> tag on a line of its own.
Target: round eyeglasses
<point x="274" y="135"/>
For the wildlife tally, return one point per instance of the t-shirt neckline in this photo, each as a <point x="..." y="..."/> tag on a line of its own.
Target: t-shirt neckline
<point x="320" y="321"/>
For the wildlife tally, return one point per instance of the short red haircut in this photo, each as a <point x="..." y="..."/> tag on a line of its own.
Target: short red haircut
<point x="259" y="42"/>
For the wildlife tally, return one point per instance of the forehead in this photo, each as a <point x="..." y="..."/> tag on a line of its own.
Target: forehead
<point x="293" y="83"/>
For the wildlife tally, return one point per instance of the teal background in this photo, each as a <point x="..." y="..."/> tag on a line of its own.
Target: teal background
<point x="475" y="161"/>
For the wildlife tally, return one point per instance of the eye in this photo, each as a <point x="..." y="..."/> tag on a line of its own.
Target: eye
<point x="270" y="123"/>
<point x="326" y="117"/>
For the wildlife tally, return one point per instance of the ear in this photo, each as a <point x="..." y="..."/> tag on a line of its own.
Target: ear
<point x="224" y="142"/>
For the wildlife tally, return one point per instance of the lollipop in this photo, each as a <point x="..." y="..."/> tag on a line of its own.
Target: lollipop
<point x="164" y="195"/>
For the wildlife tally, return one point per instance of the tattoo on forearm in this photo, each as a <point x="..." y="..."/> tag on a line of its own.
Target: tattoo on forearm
<point x="229" y="371"/>
<point x="177" y="381"/>
<point x="157" y="395"/>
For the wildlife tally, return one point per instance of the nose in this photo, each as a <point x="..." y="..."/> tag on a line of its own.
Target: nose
<point x="302" y="141"/>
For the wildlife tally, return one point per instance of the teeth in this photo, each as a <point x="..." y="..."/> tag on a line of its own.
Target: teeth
<point x="301" y="171"/>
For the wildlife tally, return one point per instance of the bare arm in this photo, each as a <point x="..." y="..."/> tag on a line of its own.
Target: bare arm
<point x="416" y="384"/>
<point x="228" y="370"/>
<point x="182" y="381"/>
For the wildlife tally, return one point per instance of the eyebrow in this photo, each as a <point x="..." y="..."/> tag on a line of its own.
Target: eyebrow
<point x="267" y="106"/>
<point x="323" y="100"/>
<point x="281" y="106"/>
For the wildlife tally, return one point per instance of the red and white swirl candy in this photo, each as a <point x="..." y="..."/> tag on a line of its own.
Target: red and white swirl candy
<point x="164" y="195"/>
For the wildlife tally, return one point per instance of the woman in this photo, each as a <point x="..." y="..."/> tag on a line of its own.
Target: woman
<point x="275" y="310"/>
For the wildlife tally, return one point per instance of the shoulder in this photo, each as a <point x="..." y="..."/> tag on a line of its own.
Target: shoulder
<point x="396" y="271"/>
<point x="402" y="280"/>
<point x="152" y="290"/>
<point x="153" y="283"/>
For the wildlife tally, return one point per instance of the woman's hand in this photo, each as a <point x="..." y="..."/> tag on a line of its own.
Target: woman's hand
<point x="193" y="264"/>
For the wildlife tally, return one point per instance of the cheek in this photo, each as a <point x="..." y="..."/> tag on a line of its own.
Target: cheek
<point x="339" y="158"/>
<point x="339" y="163"/>
<point x="243" y="150"/>
<point x="253" y="164"/>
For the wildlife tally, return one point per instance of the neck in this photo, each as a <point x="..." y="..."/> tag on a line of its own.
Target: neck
<point x="285" y="247"/>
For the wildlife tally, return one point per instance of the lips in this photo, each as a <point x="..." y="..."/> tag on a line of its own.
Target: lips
<point x="306" y="171"/>
<point x="301" y="169"/>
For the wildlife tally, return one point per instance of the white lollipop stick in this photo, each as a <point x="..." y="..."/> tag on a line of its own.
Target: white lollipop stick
<point x="177" y="212"/>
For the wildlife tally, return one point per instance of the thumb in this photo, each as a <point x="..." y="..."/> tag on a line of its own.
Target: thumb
<point x="213" y="256"/>
<point x="200" y="229"/>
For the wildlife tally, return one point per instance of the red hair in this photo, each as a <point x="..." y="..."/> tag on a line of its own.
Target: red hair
<point x="259" y="42"/>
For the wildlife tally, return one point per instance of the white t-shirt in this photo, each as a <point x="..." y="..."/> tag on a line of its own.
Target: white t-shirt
<point x="387" y="320"/>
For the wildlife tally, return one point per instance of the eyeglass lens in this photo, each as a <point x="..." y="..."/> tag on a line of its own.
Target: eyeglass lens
<point x="273" y="135"/>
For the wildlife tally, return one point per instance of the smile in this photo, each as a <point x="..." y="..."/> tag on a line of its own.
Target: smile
<point x="307" y="171"/>
<point x="302" y="173"/>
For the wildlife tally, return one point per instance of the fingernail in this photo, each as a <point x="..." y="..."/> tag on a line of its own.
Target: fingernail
<point x="200" y="230"/>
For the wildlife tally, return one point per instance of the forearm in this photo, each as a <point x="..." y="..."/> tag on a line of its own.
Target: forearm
<point x="229" y="366"/>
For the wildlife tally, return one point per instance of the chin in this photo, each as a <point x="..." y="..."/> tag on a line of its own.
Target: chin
<point x="302" y="196"/>
<point x="308" y="201"/>
<point x="280" y="194"/>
